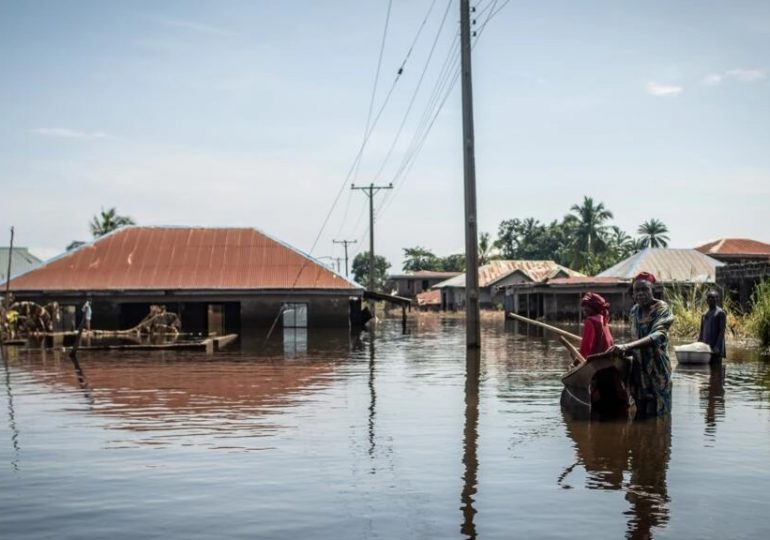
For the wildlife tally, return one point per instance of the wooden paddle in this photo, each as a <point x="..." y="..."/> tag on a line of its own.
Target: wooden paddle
<point x="548" y="327"/>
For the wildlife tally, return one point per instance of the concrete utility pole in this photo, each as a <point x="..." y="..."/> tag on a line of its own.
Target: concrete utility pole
<point x="345" y="242"/>
<point x="370" y="192"/>
<point x="472" y="315"/>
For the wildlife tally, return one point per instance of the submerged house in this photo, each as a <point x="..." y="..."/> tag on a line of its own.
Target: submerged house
<point x="559" y="299"/>
<point x="219" y="280"/>
<point x="495" y="276"/>
<point x="411" y="284"/>
<point x="747" y="263"/>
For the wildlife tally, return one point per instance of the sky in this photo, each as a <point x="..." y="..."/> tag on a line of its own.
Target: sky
<point x="263" y="113"/>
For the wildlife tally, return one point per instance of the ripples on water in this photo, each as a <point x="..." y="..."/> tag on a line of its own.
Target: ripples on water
<point x="327" y="435"/>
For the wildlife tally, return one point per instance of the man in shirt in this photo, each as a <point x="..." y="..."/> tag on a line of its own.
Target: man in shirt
<point x="713" y="324"/>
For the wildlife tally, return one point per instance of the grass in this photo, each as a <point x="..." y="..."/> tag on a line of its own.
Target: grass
<point x="688" y="304"/>
<point x="759" y="318"/>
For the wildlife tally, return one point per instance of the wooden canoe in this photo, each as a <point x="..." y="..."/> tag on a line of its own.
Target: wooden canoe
<point x="598" y="388"/>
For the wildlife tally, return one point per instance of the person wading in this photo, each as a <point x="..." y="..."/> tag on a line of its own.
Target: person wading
<point x="597" y="337"/>
<point x="650" y="321"/>
<point x="713" y="324"/>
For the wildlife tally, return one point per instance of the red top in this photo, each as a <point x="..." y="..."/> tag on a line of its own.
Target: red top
<point x="596" y="336"/>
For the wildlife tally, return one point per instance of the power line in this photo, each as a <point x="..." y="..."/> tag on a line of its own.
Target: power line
<point x="376" y="79"/>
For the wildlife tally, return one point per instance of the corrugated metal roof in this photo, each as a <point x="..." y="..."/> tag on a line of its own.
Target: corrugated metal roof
<point x="21" y="262"/>
<point x="182" y="258"/>
<point x="497" y="270"/>
<point x="668" y="265"/>
<point x="424" y="274"/>
<point x="429" y="298"/>
<point x="735" y="246"/>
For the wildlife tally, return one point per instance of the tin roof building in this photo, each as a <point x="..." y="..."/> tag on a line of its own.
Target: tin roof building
<point x="218" y="278"/>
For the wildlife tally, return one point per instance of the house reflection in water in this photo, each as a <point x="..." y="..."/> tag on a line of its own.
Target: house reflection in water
<point x="608" y="450"/>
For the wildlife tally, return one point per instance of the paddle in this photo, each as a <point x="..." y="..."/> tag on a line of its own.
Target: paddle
<point x="547" y="327"/>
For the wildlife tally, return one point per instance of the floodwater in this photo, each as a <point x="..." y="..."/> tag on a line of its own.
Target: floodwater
<point x="391" y="435"/>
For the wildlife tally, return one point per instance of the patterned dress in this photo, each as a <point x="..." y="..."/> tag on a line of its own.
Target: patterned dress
<point x="651" y="369"/>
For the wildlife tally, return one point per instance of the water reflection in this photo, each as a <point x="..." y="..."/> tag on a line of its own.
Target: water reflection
<point x="11" y="411"/>
<point x="632" y="456"/>
<point x="713" y="397"/>
<point x="470" y="441"/>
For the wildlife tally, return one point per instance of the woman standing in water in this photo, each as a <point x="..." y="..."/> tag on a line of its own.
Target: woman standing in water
<point x="596" y="331"/>
<point x="650" y="321"/>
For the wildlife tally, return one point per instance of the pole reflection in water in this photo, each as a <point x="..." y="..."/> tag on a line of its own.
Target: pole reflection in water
<point x="470" y="441"/>
<point x="11" y="411"/>
<point x="607" y="450"/>
<point x="82" y="381"/>
<point x="372" y="394"/>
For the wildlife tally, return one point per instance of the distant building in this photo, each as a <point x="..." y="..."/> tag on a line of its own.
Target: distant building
<point x="21" y="261"/>
<point x="736" y="250"/>
<point x="219" y="280"/>
<point x="495" y="276"/>
<point x="410" y="284"/>
<point x="559" y="298"/>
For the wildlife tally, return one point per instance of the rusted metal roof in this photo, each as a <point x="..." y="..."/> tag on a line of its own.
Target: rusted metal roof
<point x="425" y="274"/>
<point x="496" y="270"/>
<point x="182" y="258"/>
<point x="736" y="247"/>
<point x="429" y="298"/>
<point x="668" y="265"/>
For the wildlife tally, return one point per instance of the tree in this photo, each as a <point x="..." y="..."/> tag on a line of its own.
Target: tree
<point x="533" y="240"/>
<point x="108" y="221"/>
<point x="418" y="258"/>
<point x="453" y="263"/>
<point x="74" y="245"/>
<point x="487" y="249"/>
<point x="588" y="222"/>
<point x="360" y="270"/>
<point x="653" y="234"/>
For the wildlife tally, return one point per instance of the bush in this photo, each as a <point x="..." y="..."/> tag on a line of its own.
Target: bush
<point x="759" y="317"/>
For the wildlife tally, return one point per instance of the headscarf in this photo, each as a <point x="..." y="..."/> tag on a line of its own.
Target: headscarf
<point x="598" y="304"/>
<point x="645" y="276"/>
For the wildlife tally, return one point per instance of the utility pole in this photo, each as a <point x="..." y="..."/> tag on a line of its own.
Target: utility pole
<point x="472" y="315"/>
<point x="370" y="191"/>
<point x="345" y="242"/>
<point x="8" y="275"/>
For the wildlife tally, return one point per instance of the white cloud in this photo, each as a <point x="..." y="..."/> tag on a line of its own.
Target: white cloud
<point x="67" y="133"/>
<point x="657" y="89"/>
<point x="740" y="75"/>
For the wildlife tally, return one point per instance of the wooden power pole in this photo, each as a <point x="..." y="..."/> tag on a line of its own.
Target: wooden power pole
<point x="370" y="191"/>
<point x="345" y="243"/>
<point x="8" y="275"/>
<point x="472" y="315"/>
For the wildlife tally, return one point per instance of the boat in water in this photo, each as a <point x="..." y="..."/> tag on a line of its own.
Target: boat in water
<point x="598" y="388"/>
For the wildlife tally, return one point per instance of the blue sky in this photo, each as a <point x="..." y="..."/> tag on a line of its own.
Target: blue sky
<point x="252" y="113"/>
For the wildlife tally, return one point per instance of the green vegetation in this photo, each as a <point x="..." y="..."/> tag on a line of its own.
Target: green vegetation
<point x="653" y="234"/>
<point x="107" y="221"/>
<point x="360" y="270"/>
<point x="759" y="318"/>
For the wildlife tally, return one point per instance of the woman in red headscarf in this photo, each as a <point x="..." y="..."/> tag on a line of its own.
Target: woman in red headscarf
<point x="597" y="337"/>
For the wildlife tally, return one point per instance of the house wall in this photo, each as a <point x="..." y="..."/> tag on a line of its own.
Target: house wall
<point x="115" y="312"/>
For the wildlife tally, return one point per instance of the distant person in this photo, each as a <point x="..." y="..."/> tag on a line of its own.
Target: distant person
<point x="650" y="320"/>
<point x="713" y="324"/>
<point x="597" y="337"/>
<point x="87" y="312"/>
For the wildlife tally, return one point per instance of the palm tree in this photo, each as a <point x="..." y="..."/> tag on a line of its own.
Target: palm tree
<point x="653" y="234"/>
<point x="587" y="222"/>
<point x="108" y="221"/>
<point x="418" y="258"/>
<point x="487" y="249"/>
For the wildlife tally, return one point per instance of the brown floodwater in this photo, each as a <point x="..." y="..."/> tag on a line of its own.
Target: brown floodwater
<point x="373" y="435"/>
